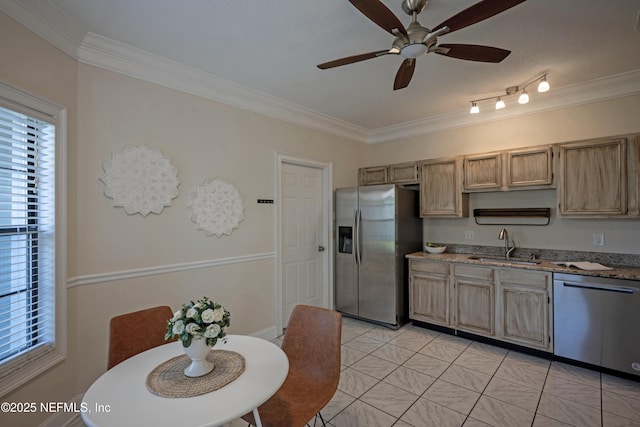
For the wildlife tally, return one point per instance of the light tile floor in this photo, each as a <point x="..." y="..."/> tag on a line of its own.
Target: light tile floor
<point x="419" y="377"/>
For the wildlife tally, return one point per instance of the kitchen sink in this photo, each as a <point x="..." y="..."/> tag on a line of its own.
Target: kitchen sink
<point x="505" y="260"/>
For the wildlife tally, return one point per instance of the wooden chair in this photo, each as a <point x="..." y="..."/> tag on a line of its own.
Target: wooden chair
<point x="312" y="344"/>
<point x="133" y="333"/>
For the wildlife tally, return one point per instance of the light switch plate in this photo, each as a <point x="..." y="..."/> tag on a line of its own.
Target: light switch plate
<point x="598" y="239"/>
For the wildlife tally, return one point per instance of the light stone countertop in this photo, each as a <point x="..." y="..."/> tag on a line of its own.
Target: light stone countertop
<point x="618" y="272"/>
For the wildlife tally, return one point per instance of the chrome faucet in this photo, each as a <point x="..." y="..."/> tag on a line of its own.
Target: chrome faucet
<point x="505" y="236"/>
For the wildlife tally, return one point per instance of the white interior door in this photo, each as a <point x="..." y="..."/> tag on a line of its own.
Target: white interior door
<point x="304" y="254"/>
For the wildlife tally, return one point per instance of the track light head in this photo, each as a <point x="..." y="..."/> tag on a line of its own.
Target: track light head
<point x="543" y="86"/>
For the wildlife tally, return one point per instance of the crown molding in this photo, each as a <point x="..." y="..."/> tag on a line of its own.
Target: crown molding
<point x="53" y="25"/>
<point x="46" y="20"/>
<point x="615" y="86"/>
<point x="124" y="59"/>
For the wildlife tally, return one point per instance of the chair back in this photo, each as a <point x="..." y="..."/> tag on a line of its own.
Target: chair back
<point x="133" y="333"/>
<point x="312" y="343"/>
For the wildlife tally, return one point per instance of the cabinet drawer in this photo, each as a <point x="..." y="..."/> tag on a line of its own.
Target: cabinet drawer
<point x="473" y="272"/>
<point x="538" y="279"/>
<point x="433" y="267"/>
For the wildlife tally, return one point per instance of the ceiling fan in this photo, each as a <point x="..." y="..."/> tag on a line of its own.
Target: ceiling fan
<point x="416" y="40"/>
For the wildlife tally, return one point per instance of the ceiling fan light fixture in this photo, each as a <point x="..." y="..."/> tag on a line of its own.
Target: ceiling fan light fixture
<point x="474" y="108"/>
<point x="524" y="97"/>
<point x="543" y="86"/>
<point x="413" y="50"/>
<point x="500" y="104"/>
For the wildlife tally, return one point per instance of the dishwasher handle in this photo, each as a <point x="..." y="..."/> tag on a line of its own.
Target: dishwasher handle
<point x="619" y="289"/>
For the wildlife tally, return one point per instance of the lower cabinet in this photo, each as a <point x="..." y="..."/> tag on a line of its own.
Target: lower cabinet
<point x="429" y="292"/>
<point x="507" y="304"/>
<point x="524" y="314"/>
<point x="474" y="299"/>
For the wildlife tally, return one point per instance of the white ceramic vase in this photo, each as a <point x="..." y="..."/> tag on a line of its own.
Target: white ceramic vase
<point x="197" y="352"/>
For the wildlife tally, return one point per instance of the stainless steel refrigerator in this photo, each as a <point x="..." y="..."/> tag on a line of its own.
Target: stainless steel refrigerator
<point x="376" y="226"/>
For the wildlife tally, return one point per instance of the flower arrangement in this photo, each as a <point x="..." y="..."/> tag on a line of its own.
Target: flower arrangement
<point x="203" y="318"/>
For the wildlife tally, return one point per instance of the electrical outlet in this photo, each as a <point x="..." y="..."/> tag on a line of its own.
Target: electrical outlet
<point x="469" y="235"/>
<point x="598" y="239"/>
<point x="438" y="233"/>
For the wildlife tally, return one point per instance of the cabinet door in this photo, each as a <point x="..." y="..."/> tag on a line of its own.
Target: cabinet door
<point x="440" y="188"/>
<point x="372" y="176"/>
<point x="524" y="316"/>
<point x="429" y="296"/>
<point x="593" y="178"/>
<point x="474" y="299"/>
<point x="403" y="173"/>
<point x="474" y="303"/>
<point x="524" y="310"/>
<point x="532" y="167"/>
<point x="483" y="172"/>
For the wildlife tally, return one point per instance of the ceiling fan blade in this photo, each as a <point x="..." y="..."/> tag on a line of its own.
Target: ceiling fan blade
<point x="376" y="11"/>
<point x="351" y="59"/>
<point x="472" y="52"/>
<point x="478" y="12"/>
<point x="403" y="77"/>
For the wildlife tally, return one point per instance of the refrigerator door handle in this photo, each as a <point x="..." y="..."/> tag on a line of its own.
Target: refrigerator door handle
<point x="355" y="236"/>
<point x="359" y="227"/>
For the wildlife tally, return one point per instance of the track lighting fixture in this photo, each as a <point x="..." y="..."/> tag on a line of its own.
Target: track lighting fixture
<point x="543" y="86"/>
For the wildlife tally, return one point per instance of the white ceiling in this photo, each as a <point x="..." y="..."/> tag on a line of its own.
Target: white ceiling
<point x="273" y="47"/>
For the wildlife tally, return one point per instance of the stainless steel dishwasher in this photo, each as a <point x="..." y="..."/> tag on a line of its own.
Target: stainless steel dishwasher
<point x="597" y="321"/>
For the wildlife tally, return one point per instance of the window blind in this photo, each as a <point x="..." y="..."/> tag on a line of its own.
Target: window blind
<point x="27" y="244"/>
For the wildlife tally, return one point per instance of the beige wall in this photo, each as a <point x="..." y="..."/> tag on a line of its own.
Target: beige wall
<point x="203" y="139"/>
<point x="599" y="119"/>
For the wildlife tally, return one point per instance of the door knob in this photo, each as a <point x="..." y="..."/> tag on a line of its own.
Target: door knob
<point x="320" y="248"/>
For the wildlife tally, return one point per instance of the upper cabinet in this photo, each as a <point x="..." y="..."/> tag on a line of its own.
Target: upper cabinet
<point x="441" y="189"/>
<point x="597" y="178"/>
<point x="522" y="169"/>
<point x="530" y="168"/>
<point x="373" y="175"/>
<point x="401" y="173"/>
<point x="483" y="172"/>
<point x="593" y="178"/>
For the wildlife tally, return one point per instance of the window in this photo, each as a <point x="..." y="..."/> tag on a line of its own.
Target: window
<point x="30" y="301"/>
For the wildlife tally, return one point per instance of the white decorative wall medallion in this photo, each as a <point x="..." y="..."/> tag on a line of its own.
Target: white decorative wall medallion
<point x="140" y="179"/>
<point x="216" y="206"/>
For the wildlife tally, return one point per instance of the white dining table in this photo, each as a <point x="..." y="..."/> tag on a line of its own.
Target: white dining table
<point x="120" y="397"/>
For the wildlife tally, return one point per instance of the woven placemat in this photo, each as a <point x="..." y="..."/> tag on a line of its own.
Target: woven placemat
<point x="168" y="378"/>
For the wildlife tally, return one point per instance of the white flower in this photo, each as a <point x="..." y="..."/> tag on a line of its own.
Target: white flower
<point x="178" y="327"/>
<point x="192" y="328"/>
<point x="207" y="316"/>
<point x="212" y="331"/>
<point x="177" y="315"/>
<point x="191" y="313"/>
<point x="218" y="314"/>
<point x="197" y="305"/>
